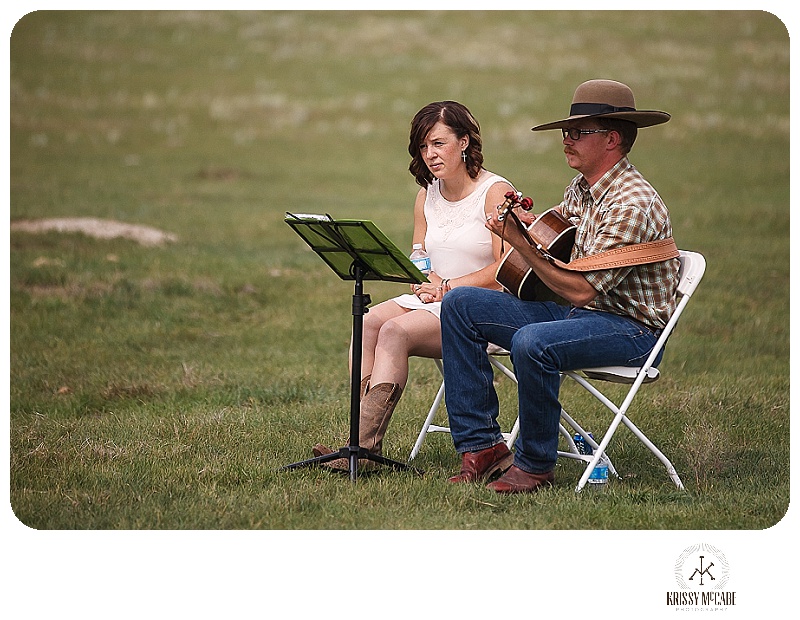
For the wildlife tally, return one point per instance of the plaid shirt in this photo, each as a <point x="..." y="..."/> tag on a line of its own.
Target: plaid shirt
<point x="622" y="208"/>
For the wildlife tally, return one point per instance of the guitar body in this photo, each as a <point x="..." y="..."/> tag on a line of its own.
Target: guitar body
<point x="556" y="235"/>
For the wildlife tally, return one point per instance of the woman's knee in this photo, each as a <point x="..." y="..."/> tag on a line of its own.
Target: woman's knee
<point x="393" y="334"/>
<point x="373" y="322"/>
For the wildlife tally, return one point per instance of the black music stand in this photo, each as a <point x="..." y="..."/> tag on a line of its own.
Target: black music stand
<point x="355" y="250"/>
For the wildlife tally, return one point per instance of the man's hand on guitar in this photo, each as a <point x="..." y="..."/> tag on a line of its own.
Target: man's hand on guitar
<point x="499" y="227"/>
<point x="526" y="217"/>
<point x="517" y="209"/>
<point x="514" y="200"/>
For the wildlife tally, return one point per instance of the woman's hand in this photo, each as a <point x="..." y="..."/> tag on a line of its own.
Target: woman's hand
<point x="431" y="291"/>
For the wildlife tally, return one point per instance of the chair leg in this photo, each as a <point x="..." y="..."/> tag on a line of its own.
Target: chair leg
<point x="428" y="420"/>
<point x="600" y="450"/>
<point x="511" y="438"/>
<point x="671" y="472"/>
<point x="503" y="368"/>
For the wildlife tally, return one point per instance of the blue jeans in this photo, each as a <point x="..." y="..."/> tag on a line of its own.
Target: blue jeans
<point x="544" y="339"/>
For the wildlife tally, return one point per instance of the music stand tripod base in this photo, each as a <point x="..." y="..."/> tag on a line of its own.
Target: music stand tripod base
<point x="352" y="455"/>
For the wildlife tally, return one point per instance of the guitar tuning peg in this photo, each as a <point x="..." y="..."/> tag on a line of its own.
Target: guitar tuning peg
<point x="526" y="203"/>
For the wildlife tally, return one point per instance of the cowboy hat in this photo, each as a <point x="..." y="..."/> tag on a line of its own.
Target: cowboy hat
<point x="606" y="99"/>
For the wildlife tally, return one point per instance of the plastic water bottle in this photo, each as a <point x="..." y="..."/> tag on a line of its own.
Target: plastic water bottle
<point x="584" y="447"/>
<point x="420" y="259"/>
<point x="598" y="479"/>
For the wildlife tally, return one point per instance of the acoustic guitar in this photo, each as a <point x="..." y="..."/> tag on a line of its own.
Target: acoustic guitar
<point x="552" y="235"/>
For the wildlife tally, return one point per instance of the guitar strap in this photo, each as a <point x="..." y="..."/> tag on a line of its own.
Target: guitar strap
<point x="636" y="254"/>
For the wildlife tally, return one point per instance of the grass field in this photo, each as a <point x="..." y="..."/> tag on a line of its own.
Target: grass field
<point x="162" y="387"/>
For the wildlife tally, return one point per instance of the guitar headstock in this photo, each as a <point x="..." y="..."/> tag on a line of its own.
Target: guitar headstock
<point x="512" y="201"/>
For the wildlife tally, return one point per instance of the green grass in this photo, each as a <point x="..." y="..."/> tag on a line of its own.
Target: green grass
<point x="162" y="388"/>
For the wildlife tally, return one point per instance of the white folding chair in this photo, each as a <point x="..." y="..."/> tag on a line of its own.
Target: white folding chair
<point x="692" y="268"/>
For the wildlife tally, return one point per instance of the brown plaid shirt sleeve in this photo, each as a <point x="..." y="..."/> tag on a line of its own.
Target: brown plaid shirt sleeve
<point x="621" y="209"/>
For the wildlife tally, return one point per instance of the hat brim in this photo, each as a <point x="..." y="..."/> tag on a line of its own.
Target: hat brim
<point x="641" y="118"/>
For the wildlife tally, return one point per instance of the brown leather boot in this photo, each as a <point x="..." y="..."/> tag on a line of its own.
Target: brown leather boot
<point x="477" y="466"/>
<point x="516" y="480"/>
<point x="377" y="406"/>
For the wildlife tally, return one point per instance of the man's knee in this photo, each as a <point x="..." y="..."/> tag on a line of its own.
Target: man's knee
<point x="453" y="298"/>
<point x="528" y="343"/>
<point x="460" y="299"/>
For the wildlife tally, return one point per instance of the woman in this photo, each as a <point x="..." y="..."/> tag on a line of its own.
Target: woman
<point x="450" y="214"/>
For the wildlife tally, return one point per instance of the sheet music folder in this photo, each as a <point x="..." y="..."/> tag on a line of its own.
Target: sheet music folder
<point x="340" y="243"/>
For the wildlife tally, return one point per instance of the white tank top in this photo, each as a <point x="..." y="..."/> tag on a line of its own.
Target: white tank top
<point x="457" y="239"/>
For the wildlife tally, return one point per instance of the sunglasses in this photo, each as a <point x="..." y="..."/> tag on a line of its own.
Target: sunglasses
<point x="575" y="133"/>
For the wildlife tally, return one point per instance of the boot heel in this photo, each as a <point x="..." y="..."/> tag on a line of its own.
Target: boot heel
<point x="501" y="466"/>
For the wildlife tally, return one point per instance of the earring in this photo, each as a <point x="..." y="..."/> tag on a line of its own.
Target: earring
<point x="464" y="156"/>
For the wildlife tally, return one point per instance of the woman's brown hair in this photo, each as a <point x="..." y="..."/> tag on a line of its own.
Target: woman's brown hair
<point x="459" y="119"/>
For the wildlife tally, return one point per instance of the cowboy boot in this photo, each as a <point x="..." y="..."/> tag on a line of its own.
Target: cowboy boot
<point x="478" y="466"/>
<point x="377" y="407"/>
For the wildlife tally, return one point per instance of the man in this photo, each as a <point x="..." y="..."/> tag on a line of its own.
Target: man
<point x="614" y="316"/>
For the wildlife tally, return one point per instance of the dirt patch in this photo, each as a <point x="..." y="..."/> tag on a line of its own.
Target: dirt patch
<point x="100" y="229"/>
